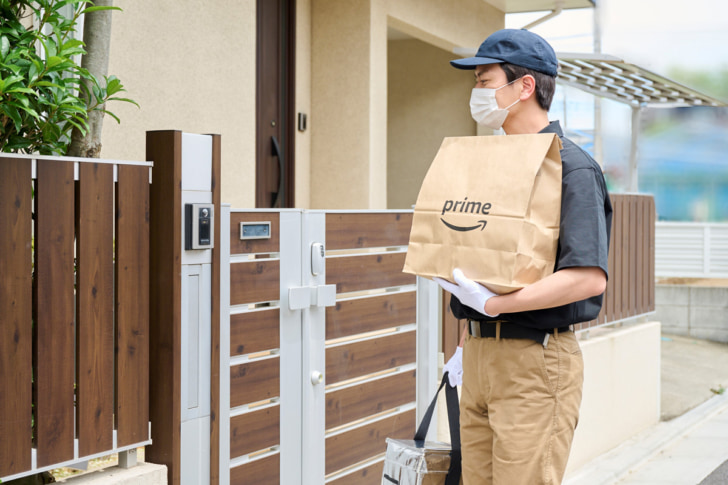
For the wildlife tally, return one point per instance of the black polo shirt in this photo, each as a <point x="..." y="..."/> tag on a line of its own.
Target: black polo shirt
<point x="586" y="222"/>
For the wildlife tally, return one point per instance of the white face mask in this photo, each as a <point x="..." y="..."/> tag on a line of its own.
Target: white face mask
<point x="484" y="107"/>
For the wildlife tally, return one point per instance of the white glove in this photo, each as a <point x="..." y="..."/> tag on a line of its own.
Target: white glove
<point x="454" y="368"/>
<point x="469" y="292"/>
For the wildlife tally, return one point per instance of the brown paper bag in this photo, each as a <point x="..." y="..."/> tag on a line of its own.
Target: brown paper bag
<point x="489" y="205"/>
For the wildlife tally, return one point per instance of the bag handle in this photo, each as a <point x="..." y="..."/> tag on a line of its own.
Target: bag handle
<point x="453" y="418"/>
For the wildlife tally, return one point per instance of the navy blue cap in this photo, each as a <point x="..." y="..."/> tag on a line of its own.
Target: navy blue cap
<point x="518" y="47"/>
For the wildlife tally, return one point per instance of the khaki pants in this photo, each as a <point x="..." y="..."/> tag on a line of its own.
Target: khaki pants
<point x="519" y="408"/>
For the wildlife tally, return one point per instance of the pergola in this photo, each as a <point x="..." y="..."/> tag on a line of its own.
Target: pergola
<point x="612" y="78"/>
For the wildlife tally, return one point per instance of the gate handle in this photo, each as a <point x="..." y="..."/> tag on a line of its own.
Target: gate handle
<point x="280" y="196"/>
<point x="300" y="297"/>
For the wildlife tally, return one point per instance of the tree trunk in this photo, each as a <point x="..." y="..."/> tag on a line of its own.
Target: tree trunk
<point x="97" y="37"/>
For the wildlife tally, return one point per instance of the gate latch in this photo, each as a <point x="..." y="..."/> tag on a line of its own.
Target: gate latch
<point x="307" y="296"/>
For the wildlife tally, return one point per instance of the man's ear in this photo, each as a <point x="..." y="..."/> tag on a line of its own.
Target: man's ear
<point x="529" y="87"/>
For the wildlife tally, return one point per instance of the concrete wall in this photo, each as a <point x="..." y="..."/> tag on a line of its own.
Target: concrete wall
<point x="303" y="103"/>
<point x="141" y="474"/>
<point x="191" y="67"/>
<point x="621" y="389"/>
<point x="427" y="101"/>
<point x="693" y="311"/>
<point x="345" y="63"/>
<point x="349" y="90"/>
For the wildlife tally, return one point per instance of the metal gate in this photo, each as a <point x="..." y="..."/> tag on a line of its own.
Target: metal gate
<point x="327" y="348"/>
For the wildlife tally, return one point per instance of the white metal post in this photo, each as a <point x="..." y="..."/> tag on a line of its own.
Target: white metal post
<point x="224" y="401"/>
<point x="196" y="319"/>
<point x="633" y="150"/>
<point x="428" y="330"/>
<point x="314" y="353"/>
<point x="290" y="349"/>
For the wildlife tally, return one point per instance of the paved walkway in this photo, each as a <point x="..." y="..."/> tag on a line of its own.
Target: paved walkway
<point x="689" y="449"/>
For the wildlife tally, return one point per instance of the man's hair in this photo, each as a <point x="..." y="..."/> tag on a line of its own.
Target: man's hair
<point x="545" y="84"/>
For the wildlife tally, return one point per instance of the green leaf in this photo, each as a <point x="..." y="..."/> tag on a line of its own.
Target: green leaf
<point x="17" y="143"/>
<point x="113" y="85"/>
<point x="48" y="84"/>
<point x="97" y="8"/>
<point x="72" y="52"/>
<point x="13" y="114"/>
<point x="12" y="67"/>
<point x="50" y="48"/>
<point x="35" y="69"/>
<point x="78" y="126"/>
<point x="12" y="80"/>
<point x="4" y="46"/>
<point x="111" y="114"/>
<point x="54" y="61"/>
<point x="20" y="90"/>
<point x="126" y="100"/>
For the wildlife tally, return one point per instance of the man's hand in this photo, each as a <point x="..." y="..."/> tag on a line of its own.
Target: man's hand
<point x="454" y="368"/>
<point x="467" y="291"/>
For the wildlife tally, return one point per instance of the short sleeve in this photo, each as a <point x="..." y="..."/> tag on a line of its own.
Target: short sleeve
<point x="584" y="235"/>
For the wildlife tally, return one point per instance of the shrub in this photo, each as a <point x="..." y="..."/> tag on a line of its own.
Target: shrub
<point x="41" y="89"/>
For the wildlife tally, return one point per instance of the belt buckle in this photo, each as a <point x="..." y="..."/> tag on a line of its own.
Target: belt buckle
<point x="474" y="328"/>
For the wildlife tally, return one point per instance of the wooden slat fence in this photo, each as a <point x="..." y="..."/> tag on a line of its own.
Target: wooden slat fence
<point x="371" y="343"/>
<point x="255" y="423"/>
<point x="74" y="310"/>
<point x="631" y="285"/>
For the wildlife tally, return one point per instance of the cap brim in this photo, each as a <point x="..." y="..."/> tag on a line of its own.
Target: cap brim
<point x="471" y="62"/>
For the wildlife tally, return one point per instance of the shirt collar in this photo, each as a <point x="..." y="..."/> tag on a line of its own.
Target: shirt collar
<point x="553" y="127"/>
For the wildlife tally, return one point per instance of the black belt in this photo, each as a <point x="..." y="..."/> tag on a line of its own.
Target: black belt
<point x="489" y="329"/>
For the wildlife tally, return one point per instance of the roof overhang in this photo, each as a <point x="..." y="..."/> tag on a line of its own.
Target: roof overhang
<point x="610" y="77"/>
<point x="520" y="6"/>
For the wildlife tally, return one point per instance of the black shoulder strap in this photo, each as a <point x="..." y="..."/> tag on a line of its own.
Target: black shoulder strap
<point x="453" y="418"/>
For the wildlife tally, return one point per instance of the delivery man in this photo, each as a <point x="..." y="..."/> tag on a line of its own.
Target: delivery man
<point x="522" y="369"/>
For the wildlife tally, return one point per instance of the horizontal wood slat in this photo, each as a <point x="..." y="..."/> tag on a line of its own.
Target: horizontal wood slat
<point x="368" y="475"/>
<point x="54" y="294"/>
<point x="254" y="431"/>
<point x="369" y="314"/>
<point x="264" y="471"/>
<point x="254" y="331"/>
<point x="15" y="308"/>
<point x="370" y="398"/>
<point x="361" y="358"/>
<point x="367" y="230"/>
<point x="358" y="273"/>
<point x="254" y="381"/>
<point x="132" y="305"/>
<point x="346" y="449"/>
<point x="95" y="327"/>
<point x="255" y="281"/>
<point x="249" y="246"/>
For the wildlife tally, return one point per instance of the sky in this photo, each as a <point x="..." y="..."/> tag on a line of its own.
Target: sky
<point x="655" y="34"/>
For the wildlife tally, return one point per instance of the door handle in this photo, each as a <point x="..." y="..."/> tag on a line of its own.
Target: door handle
<point x="280" y="200"/>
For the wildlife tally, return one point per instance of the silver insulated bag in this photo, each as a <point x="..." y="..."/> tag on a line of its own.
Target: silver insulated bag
<point x="420" y="462"/>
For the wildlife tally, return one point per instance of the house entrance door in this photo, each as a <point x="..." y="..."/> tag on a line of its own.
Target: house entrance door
<point x="274" y="103"/>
